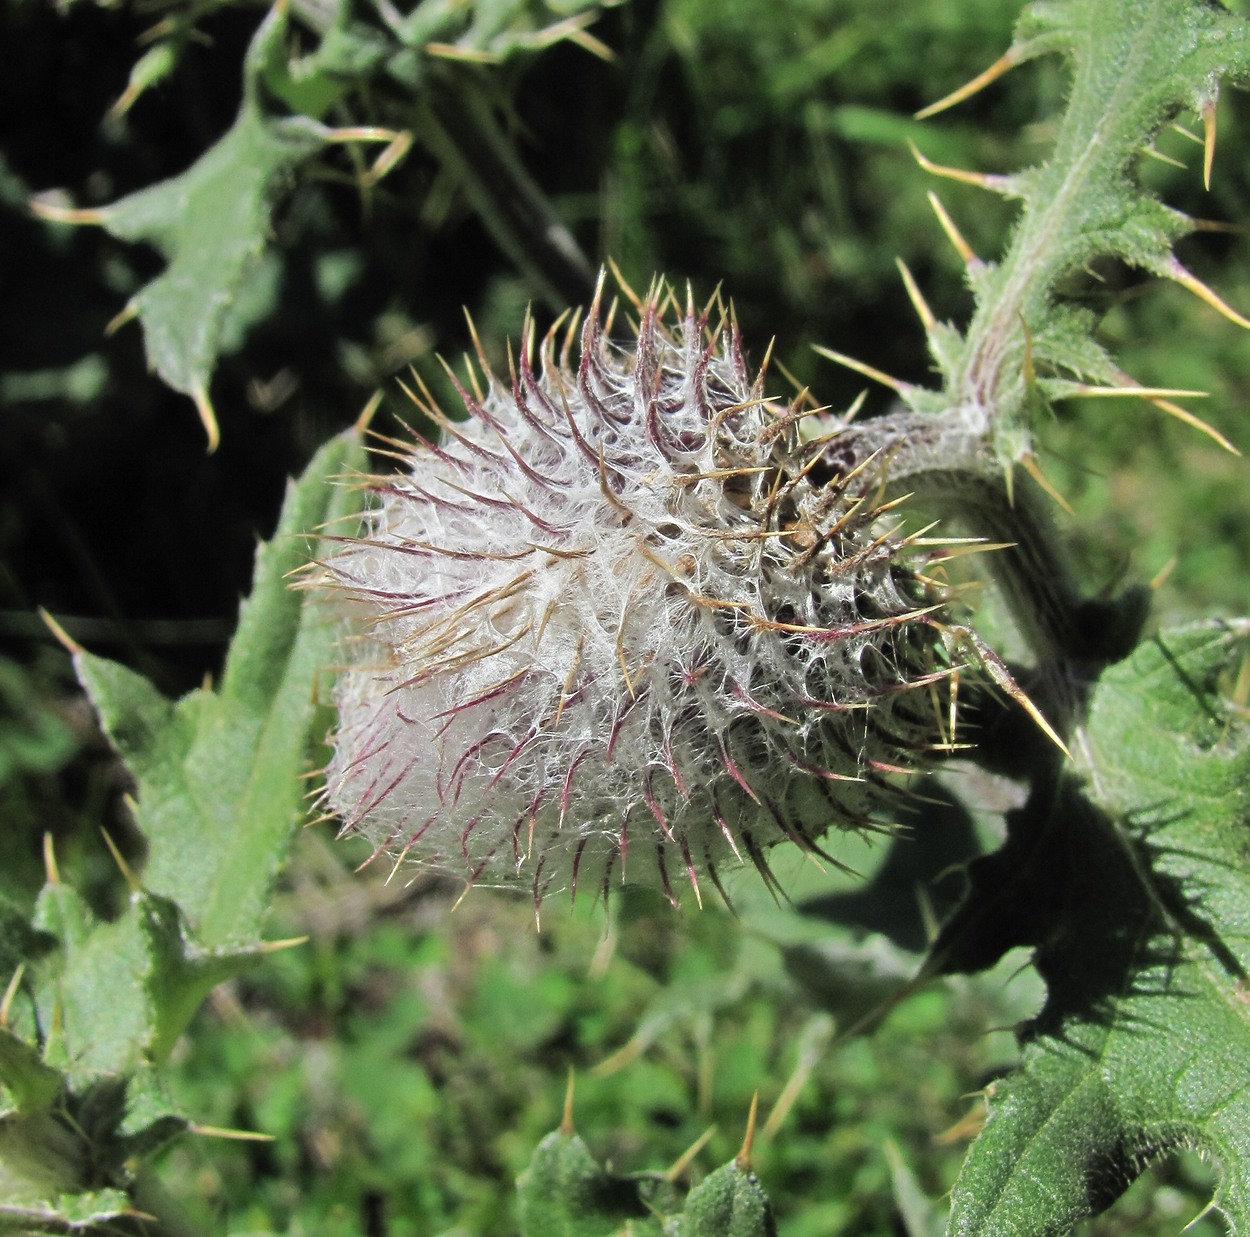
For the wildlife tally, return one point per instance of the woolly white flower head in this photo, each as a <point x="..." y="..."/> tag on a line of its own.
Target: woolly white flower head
<point x="625" y="622"/>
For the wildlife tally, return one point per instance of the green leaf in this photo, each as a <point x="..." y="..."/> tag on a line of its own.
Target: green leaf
<point x="219" y="773"/>
<point x="219" y="794"/>
<point x="84" y="1214"/>
<point x="729" y="1203"/>
<point x="211" y="224"/>
<point x="565" y="1193"/>
<point x="497" y="29"/>
<point x="102" y="999"/>
<point x="1135" y="890"/>
<point x="33" y="1085"/>
<point x="122" y="992"/>
<point x="1135" y="65"/>
<point x="348" y="56"/>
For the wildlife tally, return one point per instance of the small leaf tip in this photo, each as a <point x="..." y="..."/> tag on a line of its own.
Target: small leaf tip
<point x="208" y="418"/>
<point x="62" y="637"/>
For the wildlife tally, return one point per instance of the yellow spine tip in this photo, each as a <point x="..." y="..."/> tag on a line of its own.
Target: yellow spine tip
<point x="51" y="871"/>
<point x="1188" y="418"/>
<point x="1000" y="66"/>
<point x="217" y="1131"/>
<point x="953" y="234"/>
<point x="54" y="212"/>
<point x="919" y="304"/>
<point x="982" y="180"/>
<point x="1191" y="283"/>
<point x="1030" y="465"/>
<point x="208" y="418"/>
<point x="1208" y="141"/>
<point x="10" y="992"/>
<point x="62" y="637"/>
<point x="1160" y="576"/>
<point x="895" y="384"/>
<point x="115" y="324"/>
<point x="132" y="881"/>
<point x="566" y="1120"/>
<point x="367" y="412"/>
<point x="273" y="947"/>
<point x="743" y="1158"/>
<point x="678" y="1168"/>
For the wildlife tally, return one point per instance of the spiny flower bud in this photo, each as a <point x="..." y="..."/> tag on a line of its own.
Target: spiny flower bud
<point x="626" y="622"/>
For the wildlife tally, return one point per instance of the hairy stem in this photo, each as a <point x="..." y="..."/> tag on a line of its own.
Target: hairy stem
<point x="942" y="460"/>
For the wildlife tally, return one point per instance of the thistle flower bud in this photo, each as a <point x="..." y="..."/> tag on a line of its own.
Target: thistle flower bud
<point x="625" y="622"/>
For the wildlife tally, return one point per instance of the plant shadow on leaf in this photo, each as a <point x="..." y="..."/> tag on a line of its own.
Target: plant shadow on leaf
<point x="924" y="857"/>
<point x="1131" y="890"/>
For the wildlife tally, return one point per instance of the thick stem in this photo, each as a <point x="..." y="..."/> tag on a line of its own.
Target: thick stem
<point x="943" y="461"/>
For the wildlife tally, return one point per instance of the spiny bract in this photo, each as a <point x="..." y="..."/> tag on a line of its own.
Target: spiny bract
<point x="625" y="622"/>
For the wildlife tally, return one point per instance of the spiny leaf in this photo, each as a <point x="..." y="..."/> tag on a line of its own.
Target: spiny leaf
<point x="116" y="995"/>
<point x="1135" y="891"/>
<point x="219" y="772"/>
<point x="565" y="1193"/>
<point x="124" y="993"/>
<point x="83" y="1214"/>
<point x="1135" y="64"/>
<point x="219" y="795"/>
<point x="349" y="54"/>
<point x="491" y="30"/>
<point x="729" y="1203"/>
<point x="95" y="993"/>
<point x="211" y="224"/>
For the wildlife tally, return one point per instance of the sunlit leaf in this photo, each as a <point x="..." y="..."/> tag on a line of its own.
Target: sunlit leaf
<point x="211" y="224"/>
<point x="1134" y="66"/>
<point x="219" y="773"/>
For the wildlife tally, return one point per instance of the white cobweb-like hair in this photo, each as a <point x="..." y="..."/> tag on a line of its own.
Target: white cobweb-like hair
<point x="626" y="621"/>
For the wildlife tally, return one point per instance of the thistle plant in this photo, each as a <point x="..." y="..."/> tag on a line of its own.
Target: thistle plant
<point x="628" y="622"/>
<point x="626" y="613"/>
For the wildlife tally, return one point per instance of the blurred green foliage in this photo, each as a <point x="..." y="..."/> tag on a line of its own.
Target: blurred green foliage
<point x="416" y="1064"/>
